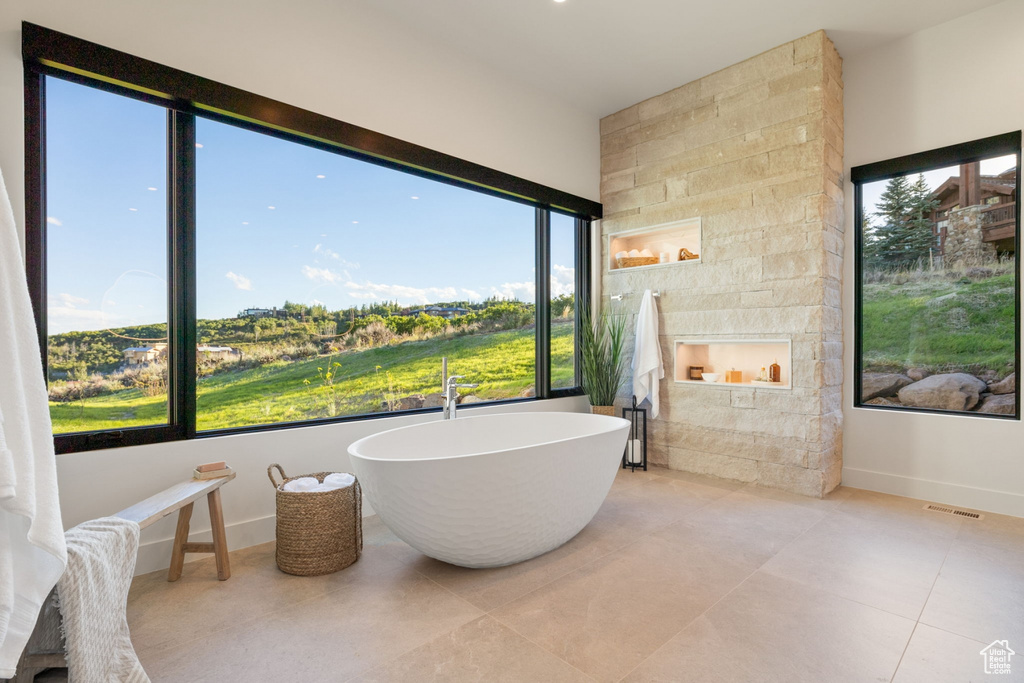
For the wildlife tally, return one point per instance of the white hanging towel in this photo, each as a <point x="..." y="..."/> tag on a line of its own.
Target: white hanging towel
<point x="648" y="367"/>
<point x="32" y="549"/>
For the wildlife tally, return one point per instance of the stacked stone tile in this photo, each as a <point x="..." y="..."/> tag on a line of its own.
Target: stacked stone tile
<point x="755" y="150"/>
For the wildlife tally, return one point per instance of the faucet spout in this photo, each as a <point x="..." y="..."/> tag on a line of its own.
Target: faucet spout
<point x="451" y="396"/>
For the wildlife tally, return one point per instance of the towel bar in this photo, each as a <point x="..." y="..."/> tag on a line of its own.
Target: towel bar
<point x="618" y="297"/>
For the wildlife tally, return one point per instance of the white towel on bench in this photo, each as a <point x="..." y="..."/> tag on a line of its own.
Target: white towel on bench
<point x="93" y="594"/>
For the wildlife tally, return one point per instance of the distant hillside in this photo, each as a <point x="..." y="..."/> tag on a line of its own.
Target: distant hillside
<point x="363" y="381"/>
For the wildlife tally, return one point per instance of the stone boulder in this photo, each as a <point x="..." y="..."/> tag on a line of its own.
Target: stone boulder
<point x="408" y="402"/>
<point x="917" y="374"/>
<point x="433" y="400"/>
<point x="880" y="401"/>
<point x="1008" y="385"/>
<point x="470" y="399"/>
<point x="998" y="404"/>
<point x="954" y="391"/>
<point x="881" y="385"/>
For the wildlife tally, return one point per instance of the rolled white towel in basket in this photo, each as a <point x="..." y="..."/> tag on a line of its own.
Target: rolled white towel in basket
<point x="302" y="484"/>
<point x="338" y="480"/>
<point x="332" y="482"/>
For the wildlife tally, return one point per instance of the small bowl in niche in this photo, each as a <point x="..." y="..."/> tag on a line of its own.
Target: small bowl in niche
<point x="711" y="376"/>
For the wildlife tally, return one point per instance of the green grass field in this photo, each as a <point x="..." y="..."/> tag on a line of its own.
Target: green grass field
<point x="940" y="325"/>
<point x="501" y="362"/>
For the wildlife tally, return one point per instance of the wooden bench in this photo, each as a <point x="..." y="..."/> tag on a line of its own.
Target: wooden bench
<point x="45" y="648"/>
<point x="182" y="497"/>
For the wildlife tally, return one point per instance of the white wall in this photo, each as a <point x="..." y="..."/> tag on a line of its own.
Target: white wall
<point x="335" y="60"/>
<point x="948" y="84"/>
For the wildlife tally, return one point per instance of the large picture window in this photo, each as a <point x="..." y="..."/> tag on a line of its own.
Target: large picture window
<point x="196" y="271"/>
<point x="937" y="317"/>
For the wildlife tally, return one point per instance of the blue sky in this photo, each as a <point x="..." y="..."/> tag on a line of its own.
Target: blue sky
<point x="275" y="221"/>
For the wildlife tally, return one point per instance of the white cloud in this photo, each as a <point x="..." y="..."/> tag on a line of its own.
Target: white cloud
<point x="323" y="275"/>
<point x="241" y="282"/>
<point x="52" y="220"/>
<point x="328" y="253"/>
<point x="403" y="294"/>
<point x="523" y="291"/>
<point x="563" y="280"/>
<point x="70" y="300"/>
<point x="64" y="319"/>
<point x="472" y="294"/>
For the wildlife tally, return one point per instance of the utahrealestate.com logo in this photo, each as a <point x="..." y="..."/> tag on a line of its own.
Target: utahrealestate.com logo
<point x="997" y="657"/>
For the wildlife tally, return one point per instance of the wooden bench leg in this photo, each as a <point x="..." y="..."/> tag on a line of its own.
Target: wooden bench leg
<point x="180" y="539"/>
<point x="220" y="541"/>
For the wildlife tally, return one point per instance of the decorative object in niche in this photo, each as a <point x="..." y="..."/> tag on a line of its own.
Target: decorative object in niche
<point x="775" y="371"/>
<point x="696" y="372"/>
<point x="634" y="261"/>
<point x="742" y="361"/>
<point x="712" y="376"/>
<point x="658" y="245"/>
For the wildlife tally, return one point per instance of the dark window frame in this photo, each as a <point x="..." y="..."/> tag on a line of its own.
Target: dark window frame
<point x="185" y="97"/>
<point x="952" y="155"/>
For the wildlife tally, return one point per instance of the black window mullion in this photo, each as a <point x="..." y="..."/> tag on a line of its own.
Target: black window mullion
<point x="181" y="328"/>
<point x="583" y="278"/>
<point x="35" y="204"/>
<point x="542" y="270"/>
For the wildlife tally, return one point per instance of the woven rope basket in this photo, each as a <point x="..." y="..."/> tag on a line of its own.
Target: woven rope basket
<point x="318" y="532"/>
<point x="633" y="261"/>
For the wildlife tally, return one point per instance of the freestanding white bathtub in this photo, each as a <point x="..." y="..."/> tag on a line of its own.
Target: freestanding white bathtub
<point x="491" y="490"/>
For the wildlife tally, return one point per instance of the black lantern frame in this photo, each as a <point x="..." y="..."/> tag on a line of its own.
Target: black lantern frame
<point x="637" y="433"/>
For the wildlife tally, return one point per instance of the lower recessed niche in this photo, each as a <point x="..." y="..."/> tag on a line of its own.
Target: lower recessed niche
<point x="727" y="357"/>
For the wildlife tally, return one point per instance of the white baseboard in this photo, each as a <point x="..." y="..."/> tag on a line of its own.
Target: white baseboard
<point x="156" y="555"/>
<point x="987" y="500"/>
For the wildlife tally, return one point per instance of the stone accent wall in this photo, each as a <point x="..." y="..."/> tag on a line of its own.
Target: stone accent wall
<point x="964" y="237"/>
<point x="755" y="150"/>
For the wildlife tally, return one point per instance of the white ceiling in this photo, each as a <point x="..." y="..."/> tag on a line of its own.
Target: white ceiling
<point x="605" y="55"/>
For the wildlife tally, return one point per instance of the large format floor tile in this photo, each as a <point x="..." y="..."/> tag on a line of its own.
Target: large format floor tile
<point x="360" y="625"/>
<point x="903" y="514"/>
<point x="980" y="593"/>
<point x="870" y="563"/>
<point x="748" y="529"/>
<point x="771" y="629"/>
<point x="934" y="655"/>
<point x="679" y="577"/>
<point x="605" y="618"/>
<point x="165" y="614"/>
<point x="482" y="650"/>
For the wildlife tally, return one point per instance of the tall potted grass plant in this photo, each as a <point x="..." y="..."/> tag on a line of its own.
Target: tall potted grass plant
<point x="603" y="364"/>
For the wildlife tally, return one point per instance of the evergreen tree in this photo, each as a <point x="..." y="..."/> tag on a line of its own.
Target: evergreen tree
<point x="900" y="234"/>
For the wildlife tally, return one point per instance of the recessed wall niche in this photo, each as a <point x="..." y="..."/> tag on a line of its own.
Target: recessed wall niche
<point x="725" y="356"/>
<point x="679" y="242"/>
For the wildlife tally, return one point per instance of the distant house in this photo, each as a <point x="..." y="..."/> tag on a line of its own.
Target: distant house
<point x="154" y="353"/>
<point x="447" y="312"/>
<point x="265" y="313"/>
<point x="994" y="195"/>
<point x="143" y="355"/>
<point x="216" y="353"/>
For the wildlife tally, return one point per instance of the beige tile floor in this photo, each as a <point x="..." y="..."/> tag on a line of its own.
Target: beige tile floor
<point x="678" y="578"/>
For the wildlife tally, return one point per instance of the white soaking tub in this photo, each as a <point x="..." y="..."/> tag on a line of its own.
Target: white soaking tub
<point x="491" y="490"/>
